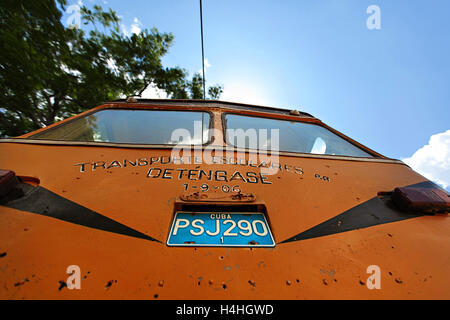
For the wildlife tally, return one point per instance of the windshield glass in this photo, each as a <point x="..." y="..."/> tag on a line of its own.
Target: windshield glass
<point x="289" y="136"/>
<point x="134" y="126"/>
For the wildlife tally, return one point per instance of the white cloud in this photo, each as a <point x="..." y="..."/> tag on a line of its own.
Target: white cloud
<point x="134" y="28"/>
<point x="244" y="93"/>
<point x="125" y="30"/>
<point x="112" y="65"/>
<point x="73" y="72"/>
<point x="153" y="92"/>
<point x="207" y="65"/>
<point x="433" y="160"/>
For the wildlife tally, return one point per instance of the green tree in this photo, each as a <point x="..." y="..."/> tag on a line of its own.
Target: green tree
<point x="50" y="72"/>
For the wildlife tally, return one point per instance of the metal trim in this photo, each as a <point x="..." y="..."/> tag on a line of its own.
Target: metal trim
<point x="215" y="147"/>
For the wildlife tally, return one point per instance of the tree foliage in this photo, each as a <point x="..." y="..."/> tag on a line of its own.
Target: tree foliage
<point x="49" y="71"/>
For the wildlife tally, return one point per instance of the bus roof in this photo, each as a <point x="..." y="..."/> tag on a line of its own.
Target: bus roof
<point x="214" y="103"/>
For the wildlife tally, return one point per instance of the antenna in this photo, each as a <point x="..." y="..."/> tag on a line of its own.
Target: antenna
<point x="203" y="51"/>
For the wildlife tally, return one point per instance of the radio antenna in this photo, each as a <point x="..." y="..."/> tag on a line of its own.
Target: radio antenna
<point x="203" y="50"/>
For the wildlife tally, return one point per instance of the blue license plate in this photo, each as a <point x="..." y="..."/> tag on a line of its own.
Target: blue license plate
<point x="215" y="229"/>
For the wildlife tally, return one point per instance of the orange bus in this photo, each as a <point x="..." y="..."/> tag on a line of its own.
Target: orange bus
<point x="198" y="199"/>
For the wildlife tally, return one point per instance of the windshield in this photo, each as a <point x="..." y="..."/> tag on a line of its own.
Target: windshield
<point x="289" y="136"/>
<point x="135" y="127"/>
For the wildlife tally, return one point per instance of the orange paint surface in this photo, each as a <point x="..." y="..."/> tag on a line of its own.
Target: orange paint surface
<point x="413" y="254"/>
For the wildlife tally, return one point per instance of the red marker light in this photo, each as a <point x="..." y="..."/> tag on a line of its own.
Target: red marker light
<point x="8" y="181"/>
<point x="431" y="200"/>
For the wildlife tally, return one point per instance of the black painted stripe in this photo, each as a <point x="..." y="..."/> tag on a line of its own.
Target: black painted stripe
<point x="44" y="202"/>
<point x="371" y="213"/>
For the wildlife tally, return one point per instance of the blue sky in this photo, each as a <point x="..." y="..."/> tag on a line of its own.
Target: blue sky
<point x="386" y="88"/>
